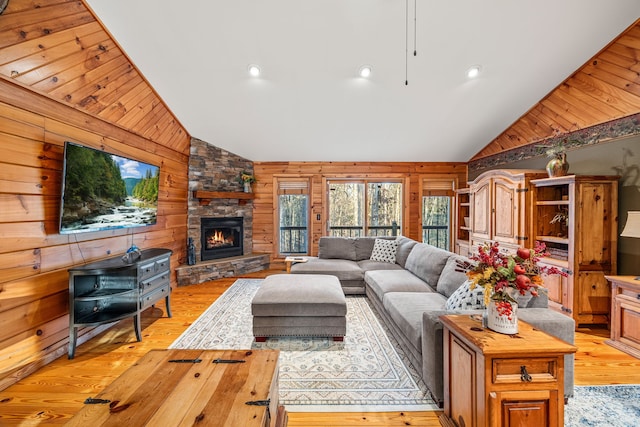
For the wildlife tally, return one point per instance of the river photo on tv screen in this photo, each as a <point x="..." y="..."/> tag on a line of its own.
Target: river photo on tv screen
<point x="102" y="191"/>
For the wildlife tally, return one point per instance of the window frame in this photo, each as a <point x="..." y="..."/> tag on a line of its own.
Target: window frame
<point x="365" y="180"/>
<point x="287" y="185"/>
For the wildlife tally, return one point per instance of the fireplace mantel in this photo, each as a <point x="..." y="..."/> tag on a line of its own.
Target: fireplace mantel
<point x="205" y="196"/>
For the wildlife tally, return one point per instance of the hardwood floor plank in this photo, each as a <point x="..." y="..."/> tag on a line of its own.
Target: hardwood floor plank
<point x="53" y="394"/>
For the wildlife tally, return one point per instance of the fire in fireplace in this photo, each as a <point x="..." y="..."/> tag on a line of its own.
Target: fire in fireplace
<point x="221" y="237"/>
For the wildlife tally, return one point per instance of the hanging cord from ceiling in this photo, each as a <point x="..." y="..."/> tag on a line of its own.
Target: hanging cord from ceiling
<point x="406" y="36"/>
<point x="406" y="42"/>
<point x="415" y="27"/>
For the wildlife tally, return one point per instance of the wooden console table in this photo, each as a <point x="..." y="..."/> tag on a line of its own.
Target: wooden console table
<point x="493" y="379"/>
<point x="191" y="387"/>
<point x="111" y="289"/>
<point x="625" y="314"/>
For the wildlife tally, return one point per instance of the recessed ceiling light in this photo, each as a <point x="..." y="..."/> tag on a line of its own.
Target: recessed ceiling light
<point x="254" y="70"/>
<point x="473" y="71"/>
<point x="365" y="71"/>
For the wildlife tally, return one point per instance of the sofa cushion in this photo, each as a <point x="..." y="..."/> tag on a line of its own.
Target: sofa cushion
<point x="337" y="248"/>
<point x="384" y="251"/>
<point x="341" y="268"/>
<point x="364" y="246"/>
<point x="405" y="245"/>
<point x="464" y="298"/>
<point x="405" y="310"/>
<point x="369" y="265"/>
<point x="381" y="282"/>
<point x="427" y="262"/>
<point x="451" y="277"/>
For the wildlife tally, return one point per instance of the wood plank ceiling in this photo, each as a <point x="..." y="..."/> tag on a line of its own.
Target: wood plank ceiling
<point x="606" y="88"/>
<point x="73" y="59"/>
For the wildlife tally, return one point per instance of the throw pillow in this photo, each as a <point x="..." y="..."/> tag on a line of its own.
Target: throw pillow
<point x="384" y="251"/>
<point x="465" y="298"/>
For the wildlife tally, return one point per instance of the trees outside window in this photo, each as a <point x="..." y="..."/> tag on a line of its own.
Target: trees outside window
<point x="436" y="220"/>
<point x="364" y="208"/>
<point x="437" y="215"/>
<point x="293" y="217"/>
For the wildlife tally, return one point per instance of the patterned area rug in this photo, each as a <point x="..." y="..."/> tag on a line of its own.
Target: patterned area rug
<point x="367" y="372"/>
<point x="607" y="405"/>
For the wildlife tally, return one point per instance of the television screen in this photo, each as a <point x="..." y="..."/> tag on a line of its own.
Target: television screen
<point x="101" y="191"/>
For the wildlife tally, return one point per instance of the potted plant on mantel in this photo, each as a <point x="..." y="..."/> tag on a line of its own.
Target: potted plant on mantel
<point x="247" y="179"/>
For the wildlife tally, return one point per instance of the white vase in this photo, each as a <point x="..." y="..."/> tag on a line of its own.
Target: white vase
<point x="247" y="187"/>
<point x="502" y="323"/>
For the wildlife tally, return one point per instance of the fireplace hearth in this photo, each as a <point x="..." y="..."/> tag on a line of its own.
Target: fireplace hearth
<point x="221" y="237"/>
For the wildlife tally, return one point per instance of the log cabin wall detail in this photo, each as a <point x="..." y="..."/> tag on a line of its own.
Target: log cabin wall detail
<point x="62" y="78"/>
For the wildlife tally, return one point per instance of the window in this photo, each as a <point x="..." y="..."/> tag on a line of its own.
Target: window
<point x="437" y="199"/>
<point x="365" y="208"/>
<point x="293" y="214"/>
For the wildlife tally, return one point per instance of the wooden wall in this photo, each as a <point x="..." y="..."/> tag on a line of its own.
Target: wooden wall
<point x="605" y="88"/>
<point x="62" y="78"/>
<point x="264" y="222"/>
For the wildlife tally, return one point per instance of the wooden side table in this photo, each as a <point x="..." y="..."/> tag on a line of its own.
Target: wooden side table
<point x="625" y="314"/>
<point x="493" y="379"/>
<point x="290" y="260"/>
<point x="191" y="387"/>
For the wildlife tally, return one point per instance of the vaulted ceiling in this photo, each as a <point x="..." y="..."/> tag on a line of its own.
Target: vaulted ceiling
<point x="183" y="69"/>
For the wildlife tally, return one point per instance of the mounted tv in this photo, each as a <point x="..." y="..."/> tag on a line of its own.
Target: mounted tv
<point x="102" y="191"/>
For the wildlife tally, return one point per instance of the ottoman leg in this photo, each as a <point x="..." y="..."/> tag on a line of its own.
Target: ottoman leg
<point x="261" y="339"/>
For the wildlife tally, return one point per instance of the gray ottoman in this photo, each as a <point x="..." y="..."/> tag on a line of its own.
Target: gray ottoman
<point x="310" y="305"/>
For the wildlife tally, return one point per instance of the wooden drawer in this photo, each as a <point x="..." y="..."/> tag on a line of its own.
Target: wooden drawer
<point x="150" y="298"/>
<point x="154" y="282"/>
<point x="147" y="270"/>
<point x="512" y="371"/>
<point x="153" y="267"/>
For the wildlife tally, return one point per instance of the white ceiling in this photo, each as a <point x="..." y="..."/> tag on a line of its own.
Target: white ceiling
<point x="310" y="105"/>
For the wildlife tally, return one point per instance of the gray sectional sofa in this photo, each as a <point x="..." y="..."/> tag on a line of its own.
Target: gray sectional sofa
<point x="411" y="293"/>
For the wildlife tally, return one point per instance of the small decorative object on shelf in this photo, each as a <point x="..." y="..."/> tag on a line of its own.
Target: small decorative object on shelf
<point x="247" y="179"/>
<point x="191" y="252"/>
<point x="558" y="165"/>
<point x="505" y="278"/>
<point x="132" y="254"/>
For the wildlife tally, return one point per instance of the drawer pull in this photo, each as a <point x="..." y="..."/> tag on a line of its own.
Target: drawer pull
<point x="524" y="375"/>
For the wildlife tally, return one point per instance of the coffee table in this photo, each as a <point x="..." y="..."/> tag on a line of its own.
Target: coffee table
<point x="191" y="387"/>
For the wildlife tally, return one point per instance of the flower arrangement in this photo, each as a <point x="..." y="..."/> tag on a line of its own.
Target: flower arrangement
<point x="503" y="276"/>
<point x="247" y="178"/>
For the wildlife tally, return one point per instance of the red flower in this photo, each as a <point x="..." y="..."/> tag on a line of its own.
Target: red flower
<point x="503" y="276"/>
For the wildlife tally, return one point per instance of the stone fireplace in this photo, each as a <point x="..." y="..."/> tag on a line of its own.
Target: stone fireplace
<point x="230" y="252"/>
<point x="221" y="237"/>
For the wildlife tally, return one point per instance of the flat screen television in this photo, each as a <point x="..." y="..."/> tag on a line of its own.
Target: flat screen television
<point x="102" y="191"/>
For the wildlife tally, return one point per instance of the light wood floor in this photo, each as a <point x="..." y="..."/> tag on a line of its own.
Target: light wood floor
<point x="56" y="392"/>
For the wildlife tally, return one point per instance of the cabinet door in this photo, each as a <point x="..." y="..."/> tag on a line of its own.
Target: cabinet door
<point x="505" y="219"/>
<point x="524" y="408"/>
<point x="557" y="291"/>
<point x="462" y="382"/>
<point x="481" y="211"/>
<point x="593" y="297"/>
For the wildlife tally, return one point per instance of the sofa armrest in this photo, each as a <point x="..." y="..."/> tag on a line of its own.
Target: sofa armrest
<point x="432" y="354"/>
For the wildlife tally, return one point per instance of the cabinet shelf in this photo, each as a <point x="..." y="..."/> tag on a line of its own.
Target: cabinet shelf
<point x="552" y="203"/>
<point x="560" y="263"/>
<point x="553" y="239"/>
<point x="103" y="317"/>
<point x="102" y="293"/>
